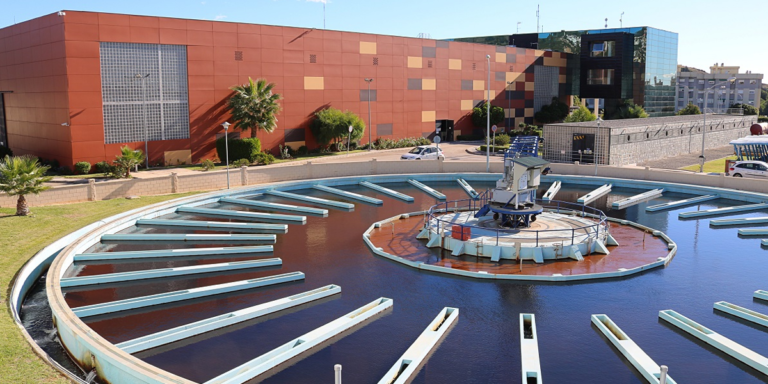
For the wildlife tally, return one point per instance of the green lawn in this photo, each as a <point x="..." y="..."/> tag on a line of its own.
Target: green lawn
<point x="20" y="239"/>
<point x="714" y="166"/>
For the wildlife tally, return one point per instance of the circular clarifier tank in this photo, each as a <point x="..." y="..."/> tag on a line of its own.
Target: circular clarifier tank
<point x="156" y="303"/>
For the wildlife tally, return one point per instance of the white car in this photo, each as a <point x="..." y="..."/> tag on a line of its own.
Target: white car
<point x="423" y="152"/>
<point x="749" y="169"/>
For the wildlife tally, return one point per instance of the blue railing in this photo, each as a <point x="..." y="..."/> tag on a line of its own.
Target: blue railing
<point x="591" y="230"/>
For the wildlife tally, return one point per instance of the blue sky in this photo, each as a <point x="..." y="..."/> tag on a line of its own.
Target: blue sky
<point x="708" y="32"/>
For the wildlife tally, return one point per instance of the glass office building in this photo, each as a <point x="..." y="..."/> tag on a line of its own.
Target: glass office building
<point x="643" y="61"/>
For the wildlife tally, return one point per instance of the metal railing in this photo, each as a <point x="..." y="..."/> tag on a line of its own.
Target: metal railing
<point x="592" y="231"/>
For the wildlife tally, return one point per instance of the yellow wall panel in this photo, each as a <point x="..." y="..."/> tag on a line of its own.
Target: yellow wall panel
<point x="562" y="79"/>
<point x="551" y="62"/>
<point x="478" y="85"/>
<point x="428" y="116"/>
<point x="183" y="156"/>
<point x="295" y="144"/>
<point x="529" y="112"/>
<point x="467" y="105"/>
<point x="509" y="112"/>
<point x="529" y="86"/>
<point x="414" y="62"/>
<point x="454" y="64"/>
<point x="428" y="84"/>
<point x="501" y="57"/>
<point x="367" y="48"/>
<point x="311" y="83"/>
<point x="515" y="76"/>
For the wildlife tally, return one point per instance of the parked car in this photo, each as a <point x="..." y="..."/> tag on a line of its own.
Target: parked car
<point x="750" y="168"/>
<point x="423" y="152"/>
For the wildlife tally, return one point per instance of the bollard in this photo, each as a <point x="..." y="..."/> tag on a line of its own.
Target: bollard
<point x="174" y="182"/>
<point x="662" y="378"/>
<point x="244" y="175"/>
<point x="91" y="190"/>
<point x="337" y="369"/>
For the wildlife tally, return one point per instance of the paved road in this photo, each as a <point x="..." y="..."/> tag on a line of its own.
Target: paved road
<point x="687" y="159"/>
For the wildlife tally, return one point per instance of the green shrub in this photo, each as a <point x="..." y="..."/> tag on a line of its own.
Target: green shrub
<point x="762" y="119"/>
<point x="286" y="152"/>
<point x="555" y="111"/>
<point x="690" y="109"/>
<point x="501" y="139"/>
<point x="480" y="114"/>
<point x="302" y="151"/>
<point x="340" y="146"/>
<point x="82" y="168"/>
<point x="332" y="125"/>
<point x="241" y="163"/>
<point x="64" y="170"/>
<point x="245" y="148"/>
<point x="103" y="167"/>
<point x="264" y="158"/>
<point x="579" y="115"/>
<point x="748" y="109"/>
<point x="208" y="164"/>
<point x="5" y="151"/>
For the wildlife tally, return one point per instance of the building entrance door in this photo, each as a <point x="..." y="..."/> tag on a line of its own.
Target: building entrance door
<point x="583" y="147"/>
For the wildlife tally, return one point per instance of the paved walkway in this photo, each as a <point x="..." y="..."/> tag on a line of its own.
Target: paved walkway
<point x="687" y="159"/>
<point x="456" y="151"/>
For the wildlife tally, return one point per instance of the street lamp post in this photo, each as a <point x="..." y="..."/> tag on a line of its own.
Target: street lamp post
<point x="370" y="127"/>
<point x="508" y="93"/>
<point x="704" y="132"/>
<point x="226" y="147"/>
<point x="597" y="138"/>
<point x="349" y="136"/>
<point x="488" y="122"/>
<point x="144" y="112"/>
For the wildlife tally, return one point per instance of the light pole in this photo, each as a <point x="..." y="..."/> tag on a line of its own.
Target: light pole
<point x="597" y="138"/>
<point x="488" y="122"/>
<point x="349" y="136"/>
<point x="704" y="132"/>
<point x="509" y="104"/>
<point x="144" y="112"/>
<point x="226" y="147"/>
<point x="370" y="127"/>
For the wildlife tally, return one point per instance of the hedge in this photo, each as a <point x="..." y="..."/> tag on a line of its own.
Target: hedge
<point x="245" y="148"/>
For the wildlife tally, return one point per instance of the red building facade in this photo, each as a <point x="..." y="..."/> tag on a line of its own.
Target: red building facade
<point x="51" y="70"/>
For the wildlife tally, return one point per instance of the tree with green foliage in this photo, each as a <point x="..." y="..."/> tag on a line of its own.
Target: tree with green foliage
<point x="690" y="109"/>
<point x="127" y="160"/>
<point x="748" y="109"/>
<point x="21" y="176"/>
<point x="553" y="112"/>
<point x="332" y="126"/>
<point x="480" y="115"/>
<point x="243" y="148"/>
<point x="579" y="115"/>
<point x="254" y="106"/>
<point x="627" y="110"/>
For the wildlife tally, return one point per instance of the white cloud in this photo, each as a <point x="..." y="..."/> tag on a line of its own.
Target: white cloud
<point x="318" y="1"/>
<point x="220" y="17"/>
<point x="202" y="2"/>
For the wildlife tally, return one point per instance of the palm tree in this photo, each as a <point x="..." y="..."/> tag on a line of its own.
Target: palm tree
<point x="21" y="176"/>
<point x="128" y="159"/>
<point x="253" y="106"/>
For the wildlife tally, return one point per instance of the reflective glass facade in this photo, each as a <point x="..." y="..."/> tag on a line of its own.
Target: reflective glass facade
<point x="654" y="62"/>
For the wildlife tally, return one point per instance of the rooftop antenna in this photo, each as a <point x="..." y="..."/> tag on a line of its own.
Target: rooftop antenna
<point x="537" y="18"/>
<point x="621" y="20"/>
<point x="323" y="14"/>
<point x="606" y="22"/>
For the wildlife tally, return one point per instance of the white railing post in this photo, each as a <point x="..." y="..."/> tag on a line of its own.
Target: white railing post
<point x="337" y="369"/>
<point x="663" y="376"/>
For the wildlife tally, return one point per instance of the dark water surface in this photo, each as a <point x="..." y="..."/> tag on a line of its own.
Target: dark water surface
<point x="711" y="265"/>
